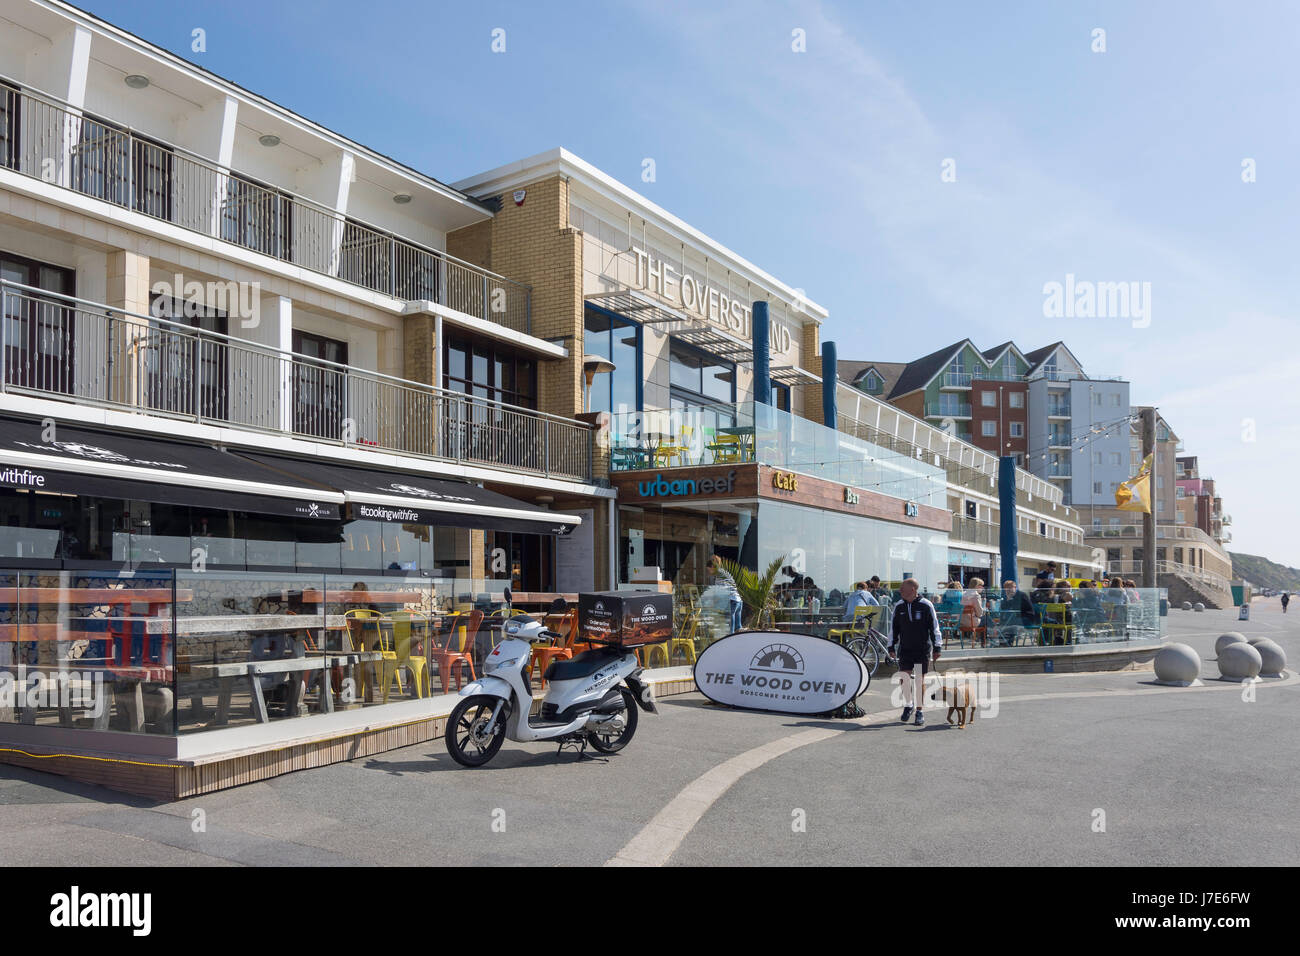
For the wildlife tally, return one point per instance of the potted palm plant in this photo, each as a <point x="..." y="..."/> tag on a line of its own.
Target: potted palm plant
<point x="756" y="590"/>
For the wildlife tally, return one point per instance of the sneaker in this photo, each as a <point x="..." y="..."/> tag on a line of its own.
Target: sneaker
<point x="920" y="718"/>
<point x="907" y="712"/>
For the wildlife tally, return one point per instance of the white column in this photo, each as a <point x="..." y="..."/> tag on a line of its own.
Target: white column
<point x="347" y="166"/>
<point x="71" y="66"/>
<point x="225" y="154"/>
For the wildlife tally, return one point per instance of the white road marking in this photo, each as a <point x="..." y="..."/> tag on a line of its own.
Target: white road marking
<point x="658" y="839"/>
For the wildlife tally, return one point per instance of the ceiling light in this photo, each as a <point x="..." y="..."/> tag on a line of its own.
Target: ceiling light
<point x="137" y="81"/>
<point x="269" y="139"/>
<point x="402" y="198"/>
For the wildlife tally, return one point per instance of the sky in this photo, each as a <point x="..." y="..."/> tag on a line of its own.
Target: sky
<point x="922" y="170"/>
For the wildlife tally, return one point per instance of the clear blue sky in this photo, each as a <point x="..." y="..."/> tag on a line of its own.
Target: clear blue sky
<point x="824" y="167"/>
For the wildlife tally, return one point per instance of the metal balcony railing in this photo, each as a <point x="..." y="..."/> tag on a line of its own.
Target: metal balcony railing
<point x="50" y="141"/>
<point x="55" y="346"/>
<point x="1058" y="409"/>
<point x="956" y="380"/>
<point x="969" y="531"/>
<point x="947" y="409"/>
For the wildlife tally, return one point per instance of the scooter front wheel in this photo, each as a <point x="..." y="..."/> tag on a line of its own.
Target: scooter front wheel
<point x="609" y="742"/>
<point x="468" y="740"/>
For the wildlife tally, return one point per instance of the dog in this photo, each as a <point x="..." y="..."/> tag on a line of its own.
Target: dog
<point x="957" y="690"/>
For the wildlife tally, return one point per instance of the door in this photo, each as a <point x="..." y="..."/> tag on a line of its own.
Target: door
<point x="184" y="370"/>
<point x="39" y="331"/>
<point x="319" y="389"/>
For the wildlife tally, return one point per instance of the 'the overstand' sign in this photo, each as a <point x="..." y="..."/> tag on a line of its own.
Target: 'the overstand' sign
<point x="787" y="673"/>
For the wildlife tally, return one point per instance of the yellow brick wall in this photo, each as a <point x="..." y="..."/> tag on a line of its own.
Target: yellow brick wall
<point x="532" y="244"/>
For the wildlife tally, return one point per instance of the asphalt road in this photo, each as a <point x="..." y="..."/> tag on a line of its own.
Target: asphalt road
<point x="1073" y="769"/>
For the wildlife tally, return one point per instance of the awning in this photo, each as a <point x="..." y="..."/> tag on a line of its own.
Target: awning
<point x="403" y="497"/>
<point x="86" y="461"/>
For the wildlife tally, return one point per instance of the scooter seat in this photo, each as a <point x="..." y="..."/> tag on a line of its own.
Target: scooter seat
<point x="584" y="665"/>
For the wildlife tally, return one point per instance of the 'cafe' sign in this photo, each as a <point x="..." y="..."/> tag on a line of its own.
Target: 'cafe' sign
<point x="707" y="301"/>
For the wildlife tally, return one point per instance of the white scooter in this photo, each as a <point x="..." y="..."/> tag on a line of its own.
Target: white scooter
<point x="591" y="699"/>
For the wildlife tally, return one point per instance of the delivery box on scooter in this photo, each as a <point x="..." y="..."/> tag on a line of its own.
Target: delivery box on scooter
<point x="625" y="618"/>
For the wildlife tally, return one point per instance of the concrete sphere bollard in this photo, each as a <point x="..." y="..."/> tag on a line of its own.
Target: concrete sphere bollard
<point x="1232" y="637"/>
<point x="1198" y="606"/>
<point x="1240" y="662"/>
<point x="1272" y="655"/>
<point x="1177" y="664"/>
<point x="1187" y="605"/>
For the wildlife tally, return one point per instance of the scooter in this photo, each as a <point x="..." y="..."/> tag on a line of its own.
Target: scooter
<point x="591" y="699"/>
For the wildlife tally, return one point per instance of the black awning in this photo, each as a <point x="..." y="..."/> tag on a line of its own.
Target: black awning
<point x="84" y="461"/>
<point x="409" y="498"/>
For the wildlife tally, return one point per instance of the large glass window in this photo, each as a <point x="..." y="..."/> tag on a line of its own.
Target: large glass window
<point x="618" y="340"/>
<point x="698" y="378"/>
<point x="317" y="386"/>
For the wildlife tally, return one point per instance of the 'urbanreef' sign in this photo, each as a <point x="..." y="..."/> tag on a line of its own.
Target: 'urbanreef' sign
<point x="659" y="487"/>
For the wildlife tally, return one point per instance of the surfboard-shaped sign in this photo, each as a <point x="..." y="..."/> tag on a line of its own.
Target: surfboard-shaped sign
<point x="776" y="671"/>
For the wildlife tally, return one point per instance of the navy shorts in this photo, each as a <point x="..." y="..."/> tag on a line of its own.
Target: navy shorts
<point x="907" y="663"/>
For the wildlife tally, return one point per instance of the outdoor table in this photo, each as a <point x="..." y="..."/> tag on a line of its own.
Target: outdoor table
<point x="127" y="677"/>
<point x="228" y="673"/>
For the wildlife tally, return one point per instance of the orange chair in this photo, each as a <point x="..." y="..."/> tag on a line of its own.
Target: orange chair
<point x="566" y="625"/>
<point x="457" y="651"/>
<point x="970" y="625"/>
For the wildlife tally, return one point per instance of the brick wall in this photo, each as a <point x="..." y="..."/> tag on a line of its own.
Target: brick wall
<point x="812" y="362"/>
<point x="532" y="243"/>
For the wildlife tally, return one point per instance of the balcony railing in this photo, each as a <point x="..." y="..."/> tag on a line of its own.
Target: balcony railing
<point x="1059" y="440"/>
<point x="947" y="410"/>
<point x="1058" y="409"/>
<point x="52" y="142"/>
<point x="54" y="346"/>
<point x="970" y="531"/>
<point x="956" y="380"/>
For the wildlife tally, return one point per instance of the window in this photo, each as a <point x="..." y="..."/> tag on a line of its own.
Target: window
<point x="1114" y="400"/>
<point x="1096" y="523"/>
<point x="698" y="378"/>
<point x="1114" y="522"/>
<point x="317" y="386"/>
<point x="1096" y="487"/>
<point x="1114" y="486"/>
<point x="989" y="429"/>
<point x="173" y="359"/>
<point x="1042" y="529"/>
<point x="127" y="170"/>
<point x="1017" y="429"/>
<point x="972" y="509"/>
<point x="1181" y="492"/>
<point x="618" y="340"/>
<point x="39" y="331"/>
<point x="1096" y="399"/>
<point x="10" y="127"/>
<point x="873" y="383"/>
<point x="1096" y="458"/>
<point x="1009" y="371"/>
<point x="780" y="396"/>
<point x="1115" y="459"/>
<point x="491" y="372"/>
<point x="260" y="218"/>
<point x="1016" y="400"/>
<point x="988" y="399"/>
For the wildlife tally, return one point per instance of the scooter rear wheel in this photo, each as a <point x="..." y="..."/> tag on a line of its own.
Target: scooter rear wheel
<point x="610" y="743"/>
<point x="464" y="737"/>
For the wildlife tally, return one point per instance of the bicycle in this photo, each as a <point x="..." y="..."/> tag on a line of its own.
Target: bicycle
<point x="871" y="648"/>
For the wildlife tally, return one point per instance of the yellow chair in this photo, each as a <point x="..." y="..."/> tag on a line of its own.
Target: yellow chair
<point x="864" y="616"/>
<point x="408" y="627"/>
<point x="646" y="653"/>
<point x="370" y="634"/>
<point x="685" y="641"/>
<point x="1061" y="623"/>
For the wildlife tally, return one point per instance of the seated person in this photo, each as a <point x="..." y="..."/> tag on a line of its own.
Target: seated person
<point x="1087" y="604"/>
<point x="952" y="596"/>
<point x="1015" y="610"/>
<point x="861" y="597"/>
<point x="974" y="612"/>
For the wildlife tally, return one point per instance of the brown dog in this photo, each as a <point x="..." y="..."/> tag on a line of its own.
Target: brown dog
<point x="958" y="691"/>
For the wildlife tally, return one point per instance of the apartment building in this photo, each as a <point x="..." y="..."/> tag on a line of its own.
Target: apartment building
<point x="192" y="270"/>
<point x="1040" y="407"/>
<point x="1198" y="502"/>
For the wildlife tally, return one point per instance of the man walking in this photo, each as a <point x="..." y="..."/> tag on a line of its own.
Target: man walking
<point x="1286" y="599"/>
<point x="917" y="636"/>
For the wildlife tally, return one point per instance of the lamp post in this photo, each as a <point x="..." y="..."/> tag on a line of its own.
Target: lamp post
<point x="593" y="365"/>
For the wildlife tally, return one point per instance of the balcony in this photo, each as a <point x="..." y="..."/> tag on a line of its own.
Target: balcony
<point x="1058" y="471"/>
<point x="947" y="410"/>
<point x="751" y="433"/>
<point x="49" y="141"/>
<point x="1058" y="440"/>
<point x="956" y="380"/>
<point x="57" y="347"/>
<point x="1058" y="410"/>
